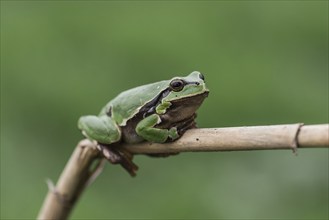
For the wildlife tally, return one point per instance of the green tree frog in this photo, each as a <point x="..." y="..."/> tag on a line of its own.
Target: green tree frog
<point x="158" y="112"/>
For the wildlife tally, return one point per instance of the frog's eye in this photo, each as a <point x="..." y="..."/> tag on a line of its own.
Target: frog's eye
<point x="201" y="76"/>
<point x="177" y="85"/>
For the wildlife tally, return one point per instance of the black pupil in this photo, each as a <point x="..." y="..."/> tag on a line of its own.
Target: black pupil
<point x="177" y="84"/>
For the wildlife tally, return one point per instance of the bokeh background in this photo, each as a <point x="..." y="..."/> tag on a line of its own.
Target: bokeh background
<point x="265" y="62"/>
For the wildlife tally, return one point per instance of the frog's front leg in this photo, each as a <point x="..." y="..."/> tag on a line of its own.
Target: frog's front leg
<point x="147" y="130"/>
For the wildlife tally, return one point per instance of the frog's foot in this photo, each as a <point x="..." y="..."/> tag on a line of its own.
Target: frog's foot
<point x="183" y="126"/>
<point x="119" y="156"/>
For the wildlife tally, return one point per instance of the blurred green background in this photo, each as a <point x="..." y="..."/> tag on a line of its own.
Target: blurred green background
<point x="265" y="62"/>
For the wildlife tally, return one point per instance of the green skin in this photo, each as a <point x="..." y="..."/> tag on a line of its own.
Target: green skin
<point x="116" y="118"/>
<point x="158" y="112"/>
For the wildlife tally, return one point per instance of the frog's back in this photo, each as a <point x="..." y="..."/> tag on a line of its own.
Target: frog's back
<point x="128" y="103"/>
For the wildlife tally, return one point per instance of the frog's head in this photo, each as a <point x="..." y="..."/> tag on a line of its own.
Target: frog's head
<point x="185" y="95"/>
<point x="187" y="87"/>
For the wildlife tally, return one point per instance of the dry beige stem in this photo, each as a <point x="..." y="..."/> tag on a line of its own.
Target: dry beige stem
<point x="81" y="170"/>
<point x="290" y="136"/>
<point x="78" y="172"/>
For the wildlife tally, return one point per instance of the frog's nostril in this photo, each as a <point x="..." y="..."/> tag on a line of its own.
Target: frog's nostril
<point x="197" y="83"/>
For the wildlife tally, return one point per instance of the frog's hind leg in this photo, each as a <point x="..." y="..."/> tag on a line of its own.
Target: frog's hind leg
<point x="102" y="129"/>
<point x="119" y="156"/>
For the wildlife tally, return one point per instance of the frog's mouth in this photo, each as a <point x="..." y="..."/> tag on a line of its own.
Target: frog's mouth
<point x="192" y="100"/>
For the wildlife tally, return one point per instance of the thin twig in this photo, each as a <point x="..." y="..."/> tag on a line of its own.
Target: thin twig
<point x="291" y="136"/>
<point x="78" y="172"/>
